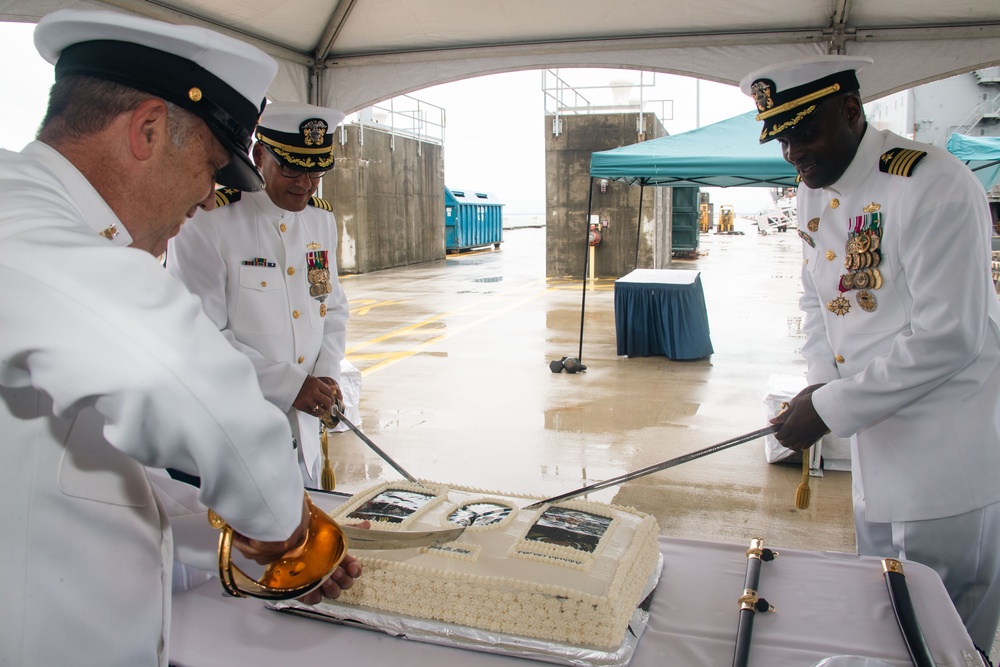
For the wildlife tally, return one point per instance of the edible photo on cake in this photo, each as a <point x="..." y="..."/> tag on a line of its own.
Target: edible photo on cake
<point x="392" y="506"/>
<point x="569" y="528"/>
<point x="479" y="514"/>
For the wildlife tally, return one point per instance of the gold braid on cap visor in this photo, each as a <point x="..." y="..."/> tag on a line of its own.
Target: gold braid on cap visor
<point x="787" y="106"/>
<point x="789" y="123"/>
<point x="291" y="153"/>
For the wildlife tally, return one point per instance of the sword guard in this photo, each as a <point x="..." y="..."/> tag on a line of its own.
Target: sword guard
<point x="298" y="572"/>
<point x="330" y="420"/>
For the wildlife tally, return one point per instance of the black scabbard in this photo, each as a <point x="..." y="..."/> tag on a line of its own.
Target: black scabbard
<point x="749" y="603"/>
<point x="906" y="616"/>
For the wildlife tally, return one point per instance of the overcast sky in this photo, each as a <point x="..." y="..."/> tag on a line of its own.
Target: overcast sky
<point x="495" y="135"/>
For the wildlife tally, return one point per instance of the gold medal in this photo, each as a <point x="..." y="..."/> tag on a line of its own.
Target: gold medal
<point x="876" y="240"/>
<point x="839" y="306"/>
<point x="813" y="225"/>
<point x="847" y="280"/>
<point x="863" y="242"/>
<point x="877" y="277"/>
<point x="876" y="258"/>
<point x="320" y="289"/>
<point x="318" y="274"/>
<point x="867" y="300"/>
<point x="860" y="280"/>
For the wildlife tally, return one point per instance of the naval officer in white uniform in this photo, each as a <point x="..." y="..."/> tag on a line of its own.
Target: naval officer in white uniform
<point x="265" y="267"/>
<point x="902" y="329"/>
<point x="108" y="364"/>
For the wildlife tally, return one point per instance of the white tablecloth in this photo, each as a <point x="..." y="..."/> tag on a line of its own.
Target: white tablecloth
<point x="826" y="604"/>
<point x="660" y="276"/>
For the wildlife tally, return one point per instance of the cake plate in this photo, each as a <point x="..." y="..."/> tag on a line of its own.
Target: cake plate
<point x="460" y="636"/>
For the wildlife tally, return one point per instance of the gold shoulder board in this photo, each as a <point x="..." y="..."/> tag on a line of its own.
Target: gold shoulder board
<point x="900" y="161"/>
<point x="224" y="196"/>
<point x="321" y="203"/>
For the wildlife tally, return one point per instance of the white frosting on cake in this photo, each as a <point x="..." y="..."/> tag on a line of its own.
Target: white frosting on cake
<point x="510" y="575"/>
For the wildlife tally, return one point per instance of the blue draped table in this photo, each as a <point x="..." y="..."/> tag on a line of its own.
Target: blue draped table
<point x="662" y="312"/>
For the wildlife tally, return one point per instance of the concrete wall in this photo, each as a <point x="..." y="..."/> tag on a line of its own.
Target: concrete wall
<point x="388" y="196"/>
<point x="567" y="175"/>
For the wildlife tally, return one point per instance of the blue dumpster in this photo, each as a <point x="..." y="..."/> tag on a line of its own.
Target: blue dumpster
<point x="472" y="220"/>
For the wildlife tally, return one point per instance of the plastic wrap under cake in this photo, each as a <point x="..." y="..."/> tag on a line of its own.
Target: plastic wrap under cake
<point x="463" y="637"/>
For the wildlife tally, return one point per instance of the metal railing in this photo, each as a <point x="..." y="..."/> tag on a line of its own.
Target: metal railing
<point x="403" y="116"/>
<point x="562" y="98"/>
<point x="988" y="108"/>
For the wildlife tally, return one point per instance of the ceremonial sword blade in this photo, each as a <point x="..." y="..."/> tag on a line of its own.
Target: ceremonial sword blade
<point x="747" y="437"/>
<point x="370" y="539"/>
<point x="375" y="448"/>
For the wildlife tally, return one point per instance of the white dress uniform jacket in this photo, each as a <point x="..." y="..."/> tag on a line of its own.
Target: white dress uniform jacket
<point x="917" y="379"/>
<point x="265" y="309"/>
<point x="108" y="363"/>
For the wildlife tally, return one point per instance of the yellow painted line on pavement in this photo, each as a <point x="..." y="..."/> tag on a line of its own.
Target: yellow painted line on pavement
<point x="372" y="303"/>
<point x="393" y="357"/>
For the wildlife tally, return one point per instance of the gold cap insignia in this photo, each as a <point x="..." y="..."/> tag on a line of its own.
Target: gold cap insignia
<point x="313" y="131"/>
<point x="761" y="91"/>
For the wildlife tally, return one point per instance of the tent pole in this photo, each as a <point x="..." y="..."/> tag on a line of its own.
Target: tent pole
<point x="586" y="265"/>
<point x="638" y="225"/>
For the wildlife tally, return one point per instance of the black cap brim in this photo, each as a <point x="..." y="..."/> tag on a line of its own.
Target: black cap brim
<point x="230" y="116"/>
<point x="241" y="173"/>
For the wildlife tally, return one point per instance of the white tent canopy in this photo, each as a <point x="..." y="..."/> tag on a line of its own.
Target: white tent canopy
<point x="350" y="54"/>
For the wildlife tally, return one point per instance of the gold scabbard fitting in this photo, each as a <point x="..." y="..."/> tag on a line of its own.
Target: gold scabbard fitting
<point x="891" y="565"/>
<point x="750" y="602"/>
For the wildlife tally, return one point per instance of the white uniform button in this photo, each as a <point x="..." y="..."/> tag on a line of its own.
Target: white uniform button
<point x="301" y="359"/>
<point x="831" y="255"/>
<point x="834" y="203"/>
<point x="263" y="283"/>
<point x="295" y="314"/>
<point x="282" y="227"/>
<point x="839" y="359"/>
<point x="291" y="270"/>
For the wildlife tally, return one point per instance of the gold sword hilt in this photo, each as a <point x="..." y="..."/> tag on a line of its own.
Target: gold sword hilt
<point x="297" y="572"/>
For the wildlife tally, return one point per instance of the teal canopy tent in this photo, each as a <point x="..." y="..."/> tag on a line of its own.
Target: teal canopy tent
<point x="982" y="154"/>
<point x="724" y="154"/>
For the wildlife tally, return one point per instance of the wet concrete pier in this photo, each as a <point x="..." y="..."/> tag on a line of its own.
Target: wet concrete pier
<point x="456" y="386"/>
